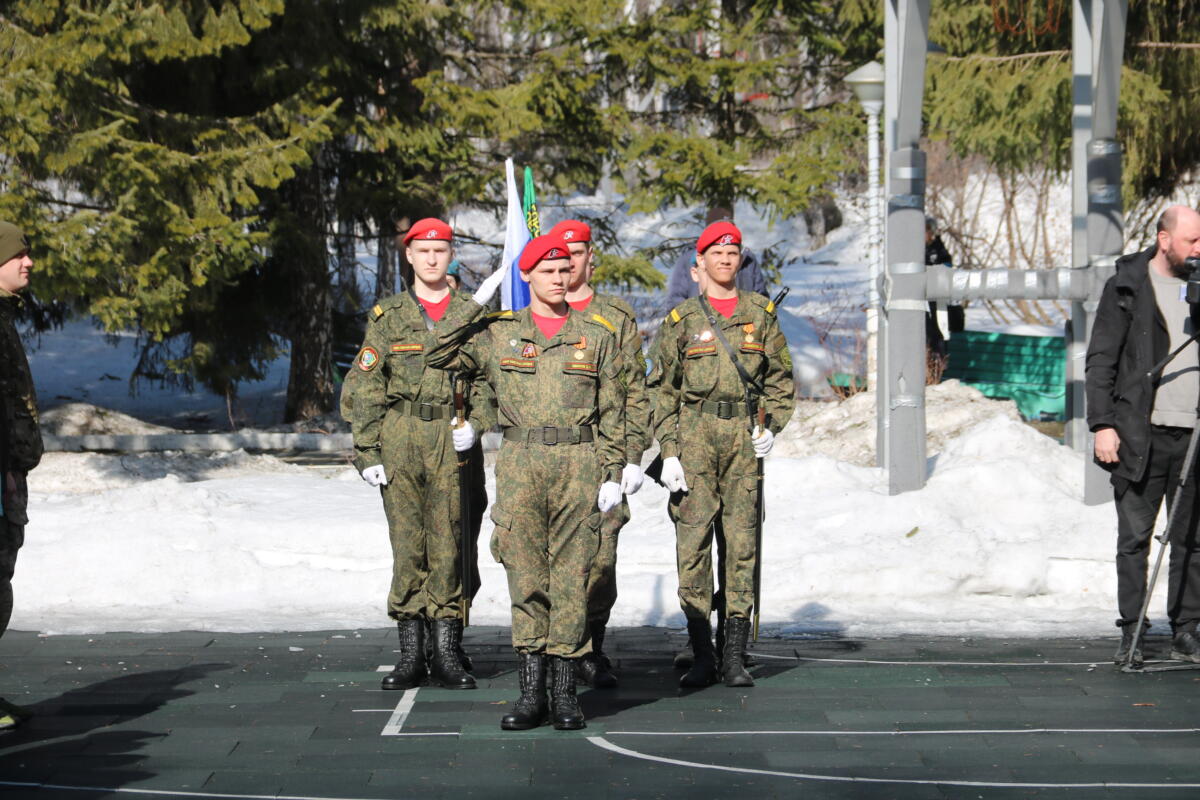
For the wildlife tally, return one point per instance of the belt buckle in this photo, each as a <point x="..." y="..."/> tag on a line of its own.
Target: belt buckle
<point x="724" y="409"/>
<point x="549" y="435"/>
<point x="425" y="412"/>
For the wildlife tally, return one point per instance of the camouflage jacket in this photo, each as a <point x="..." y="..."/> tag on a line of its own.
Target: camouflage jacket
<point x="18" y="402"/>
<point x="574" y="379"/>
<point x="637" y="402"/>
<point x="390" y="367"/>
<point x="689" y="364"/>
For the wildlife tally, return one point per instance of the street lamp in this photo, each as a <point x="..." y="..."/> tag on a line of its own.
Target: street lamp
<point x="867" y="83"/>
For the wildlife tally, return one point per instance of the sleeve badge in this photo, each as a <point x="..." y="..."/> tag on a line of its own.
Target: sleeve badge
<point x="368" y="359"/>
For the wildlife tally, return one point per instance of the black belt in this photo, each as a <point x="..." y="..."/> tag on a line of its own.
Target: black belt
<point x="722" y="409"/>
<point x="423" y="411"/>
<point x="550" y="435"/>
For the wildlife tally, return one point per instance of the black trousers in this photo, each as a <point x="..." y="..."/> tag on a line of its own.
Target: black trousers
<point x="1137" y="507"/>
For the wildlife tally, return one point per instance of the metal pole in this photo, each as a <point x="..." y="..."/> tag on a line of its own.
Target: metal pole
<point x="875" y="250"/>
<point x="904" y="303"/>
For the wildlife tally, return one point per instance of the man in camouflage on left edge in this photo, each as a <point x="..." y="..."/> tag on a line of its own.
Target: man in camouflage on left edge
<point x="595" y="669"/>
<point x="20" y="436"/>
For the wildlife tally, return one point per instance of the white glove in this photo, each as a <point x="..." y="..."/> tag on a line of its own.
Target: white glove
<point x="610" y="496"/>
<point x="762" y="440"/>
<point x="672" y="475"/>
<point x="375" y="475"/>
<point x="463" y="437"/>
<point x="487" y="289"/>
<point x="631" y="479"/>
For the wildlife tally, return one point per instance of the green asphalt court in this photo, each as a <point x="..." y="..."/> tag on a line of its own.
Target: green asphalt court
<point x="301" y="715"/>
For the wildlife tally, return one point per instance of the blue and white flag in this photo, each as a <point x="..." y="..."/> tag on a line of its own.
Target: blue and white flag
<point x="514" y="292"/>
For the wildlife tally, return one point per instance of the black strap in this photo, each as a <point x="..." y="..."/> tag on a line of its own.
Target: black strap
<point x="420" y="307"/>
<point x="749" y="382"/>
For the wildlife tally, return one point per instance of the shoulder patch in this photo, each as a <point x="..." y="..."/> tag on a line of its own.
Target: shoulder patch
<point x="674" y="315"/>
<point x="604" y="322"/>
<point x="376" y="312"/>
<point x="499" y="315"/>
<point x="770" y="306"/>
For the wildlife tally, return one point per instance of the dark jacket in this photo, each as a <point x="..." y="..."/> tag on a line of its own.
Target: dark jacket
<point x="1128" y="339"/>
<point x="680" y="287"/>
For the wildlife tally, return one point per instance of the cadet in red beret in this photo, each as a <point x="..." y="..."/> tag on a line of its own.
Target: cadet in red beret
<point x="408" y="442"/>
<point x="594" y="669"/>
<point x="558" y="379"/>
<point x="710" y="440"/>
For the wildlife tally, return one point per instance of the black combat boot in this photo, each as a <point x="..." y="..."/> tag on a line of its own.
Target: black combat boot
<point x="733" y="669"/>
<point x="564" y="705"/>
<point x="446" y="668"/>
<point x="594" y="669"/>
<point x="703" y="671"/>
<point x="1122" y="655"/>
<point x="531" y="709"/>
<point x="1185" y="646"/>
<point x="410" y="669"/>
<point x="747" y="659"/>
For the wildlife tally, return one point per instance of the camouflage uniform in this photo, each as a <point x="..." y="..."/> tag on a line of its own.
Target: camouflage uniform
<point x="602" y="581"/>
<point x="561" y="407"/>
<point x="400" y="411"/>
<point x="700" y="417"/>
<point x="22" y="442"/>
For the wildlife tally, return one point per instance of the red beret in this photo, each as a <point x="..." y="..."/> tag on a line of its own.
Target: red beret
<point x="542" y="248"/>
<point x="429" y="228"/>
<point x="719" y="233"/>
<point x="572" y="230"/>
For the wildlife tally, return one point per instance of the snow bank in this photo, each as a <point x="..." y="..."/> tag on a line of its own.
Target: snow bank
<point x="998" y="543"/>
<point x="846" y="430"/>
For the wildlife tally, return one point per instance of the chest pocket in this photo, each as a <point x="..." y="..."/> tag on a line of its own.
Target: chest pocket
<point x="406" y="362"/>
<point x="700" y="366"/>
<point x="579" y="383"/>
<point x="752" y="355"/>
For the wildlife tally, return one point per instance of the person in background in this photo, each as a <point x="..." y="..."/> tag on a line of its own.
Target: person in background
<point x="20" y="436"/>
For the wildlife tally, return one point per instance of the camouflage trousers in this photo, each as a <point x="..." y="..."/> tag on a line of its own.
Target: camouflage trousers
<point x="602" y="580"/>
<point x="547" y="532"/>
<point x="12" y="536"/>
<point x="721" y="473"/>
<point x="421" y="503"/>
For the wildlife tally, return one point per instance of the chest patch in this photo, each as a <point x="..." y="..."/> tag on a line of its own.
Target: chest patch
<point x="408" y="348"/>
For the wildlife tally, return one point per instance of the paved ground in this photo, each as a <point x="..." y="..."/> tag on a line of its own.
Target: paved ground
<point x="301" y="715"/>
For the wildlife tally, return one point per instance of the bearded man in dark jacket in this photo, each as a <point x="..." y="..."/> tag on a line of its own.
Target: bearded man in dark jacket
<point x="1143" y="423"/>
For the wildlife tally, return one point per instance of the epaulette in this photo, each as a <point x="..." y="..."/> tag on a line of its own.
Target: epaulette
<point x="508" y="314"/>
<point x="599" y="320"/>
<point x="617" y="304"/>
<point x="761" y="301"/>
<point x="384" y="305"/>
<point x="683" y="309"/>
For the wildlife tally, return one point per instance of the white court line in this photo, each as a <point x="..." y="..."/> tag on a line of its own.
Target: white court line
<point x="768" y="655"/>
<point x="958" y="732"/>
<point x="963" y="663"/>
<point x="170" y="792"/>
<point x="372" y="710"/>
<point x="400" y="714"/>
<point x="603" y="743"/>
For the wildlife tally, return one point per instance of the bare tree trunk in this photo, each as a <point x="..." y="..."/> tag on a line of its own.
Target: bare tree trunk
<point x="301" y="248"/>
<point x="385" y="262"/>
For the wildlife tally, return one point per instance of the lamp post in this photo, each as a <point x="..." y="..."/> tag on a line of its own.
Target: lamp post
<point x="867" y="83"/>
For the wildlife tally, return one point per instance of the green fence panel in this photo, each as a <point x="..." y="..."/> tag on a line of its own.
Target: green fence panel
<point x="1030" y="370"/>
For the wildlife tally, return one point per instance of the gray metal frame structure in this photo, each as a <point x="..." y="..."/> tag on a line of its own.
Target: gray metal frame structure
<point x="1098" y="32"/>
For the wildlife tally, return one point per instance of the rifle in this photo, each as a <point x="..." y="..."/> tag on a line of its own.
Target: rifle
<point x="759" y="414"/>
<point x="464" y="505"/>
